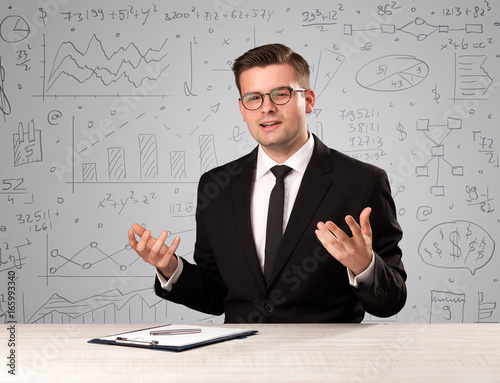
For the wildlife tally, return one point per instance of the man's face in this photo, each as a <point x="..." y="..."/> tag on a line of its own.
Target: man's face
<point x="280" y="129"/>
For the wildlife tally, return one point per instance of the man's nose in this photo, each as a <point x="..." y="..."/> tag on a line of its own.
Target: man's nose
<point x="267" y="104"/>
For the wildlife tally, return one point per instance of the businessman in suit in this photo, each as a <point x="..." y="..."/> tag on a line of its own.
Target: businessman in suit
<point x="326" y="267"/>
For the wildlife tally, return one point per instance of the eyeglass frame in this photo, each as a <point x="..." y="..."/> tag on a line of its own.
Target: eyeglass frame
<point x="262" y="95"/>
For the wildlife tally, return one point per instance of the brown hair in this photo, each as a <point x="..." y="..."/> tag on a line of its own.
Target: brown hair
<point x="272" y="54"/>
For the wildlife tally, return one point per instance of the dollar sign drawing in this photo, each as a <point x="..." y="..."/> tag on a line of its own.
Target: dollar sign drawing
<point x="472" y="246"/>
<point x="454" y="238"/>
<point x="480" y="253"/>
<point x="437" y="96"/>
<point x="401" y="130"/>
<point x="438" y="250"/>
<point x="469" y="232"/>
<point x="43" y="15"/>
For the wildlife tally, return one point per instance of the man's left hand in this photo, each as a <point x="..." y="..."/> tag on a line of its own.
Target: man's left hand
<point x="354" y="252"/>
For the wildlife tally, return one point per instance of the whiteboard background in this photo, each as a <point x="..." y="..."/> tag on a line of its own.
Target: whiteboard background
<point x="110" y="114"/>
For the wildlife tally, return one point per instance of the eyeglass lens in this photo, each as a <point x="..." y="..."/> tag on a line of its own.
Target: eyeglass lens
<point x="279" y="96"/>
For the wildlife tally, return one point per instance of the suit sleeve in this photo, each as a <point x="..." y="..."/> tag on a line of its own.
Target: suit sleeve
<point x="387" y="295"/>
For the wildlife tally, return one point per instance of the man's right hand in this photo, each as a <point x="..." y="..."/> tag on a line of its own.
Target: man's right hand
<point x="154" y="251"/>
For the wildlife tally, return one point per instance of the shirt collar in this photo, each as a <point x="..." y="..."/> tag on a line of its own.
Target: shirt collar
<point x="298" y="161"/>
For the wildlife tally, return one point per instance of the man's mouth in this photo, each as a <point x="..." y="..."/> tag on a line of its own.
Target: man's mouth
<point x="269" y="124"/>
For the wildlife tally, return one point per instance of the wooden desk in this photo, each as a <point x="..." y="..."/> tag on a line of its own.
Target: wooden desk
<point x="278" y="353"/>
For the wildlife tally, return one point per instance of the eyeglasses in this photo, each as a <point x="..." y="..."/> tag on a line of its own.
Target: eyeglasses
<point x="278" y="96"/>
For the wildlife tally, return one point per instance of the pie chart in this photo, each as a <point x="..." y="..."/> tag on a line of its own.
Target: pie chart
<point x="392" y="73"/>
<point x="14" y="29"/>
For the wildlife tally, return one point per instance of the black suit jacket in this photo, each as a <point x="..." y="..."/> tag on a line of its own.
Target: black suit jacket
<point x="308" y="284"/>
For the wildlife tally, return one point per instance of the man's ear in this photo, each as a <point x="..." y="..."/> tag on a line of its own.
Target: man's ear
<point x="310" y="100"/>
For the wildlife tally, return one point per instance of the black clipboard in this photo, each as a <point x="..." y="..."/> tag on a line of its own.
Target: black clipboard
<point x="175" y="338"/>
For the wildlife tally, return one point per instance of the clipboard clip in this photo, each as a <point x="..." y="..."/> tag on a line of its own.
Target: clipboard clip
<point x="136" y="342"/>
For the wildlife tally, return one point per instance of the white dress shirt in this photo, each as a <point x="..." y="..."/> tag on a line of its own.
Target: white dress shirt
<point x="263" y="183"/>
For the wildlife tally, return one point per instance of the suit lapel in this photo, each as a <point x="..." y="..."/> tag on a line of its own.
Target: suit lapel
<point x="242" y="190"/>
<point x="312" y="190"/>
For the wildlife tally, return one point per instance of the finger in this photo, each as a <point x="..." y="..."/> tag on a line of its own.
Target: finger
<point x="337" y="231"/>
<point x="132" y="241"/>
<point x="173" y="246"/>
<point x="327" y="239"/>
<point x="159" y="243"/>
<point x="141" y="246"/>
<point x="364" y="220"/>
<point x="138" y="229"/>
<point x="353" y="225"/>
<point x="327" y="243"/>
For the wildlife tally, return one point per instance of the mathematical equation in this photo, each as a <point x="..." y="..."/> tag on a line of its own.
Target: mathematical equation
<point x="143" y="14"/>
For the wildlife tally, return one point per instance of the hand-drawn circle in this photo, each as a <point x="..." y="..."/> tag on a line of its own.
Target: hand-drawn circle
<point x="14" y="29"/>
<point x="392" y="73"/>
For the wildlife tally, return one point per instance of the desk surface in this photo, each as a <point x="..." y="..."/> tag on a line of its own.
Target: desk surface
<point x="278" y="353"/>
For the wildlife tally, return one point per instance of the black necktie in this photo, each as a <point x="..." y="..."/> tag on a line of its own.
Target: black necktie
<point x="274" y="230"/>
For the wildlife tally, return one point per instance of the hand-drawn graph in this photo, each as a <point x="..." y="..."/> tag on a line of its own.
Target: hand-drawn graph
<point x="14" y="29"/>
<point x="485" y="310"/>
<point x="113" y="306"/>
<point x="438" y="152"/>
<point x="104" y="67"/>
<point x="116" y="164"/>
<point x="90" y="260"/>
<point x="457" y="245"/>
<point x="11" y="258"/>
<point x="329" y="63"/>
<point x="418" y="28"/>
<point x="89" y="172"/>
<point x="392" y="73"/>
<point x="447" y="307"/>
<point x="148" y="156"/>
<point x="178" y="164"/>
<point x="27" y="145"/>
<point x="208" y="155"/>
<point x="471" y="79"/>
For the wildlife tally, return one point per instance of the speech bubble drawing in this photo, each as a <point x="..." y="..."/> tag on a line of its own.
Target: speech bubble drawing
<point x="457" y="245"/>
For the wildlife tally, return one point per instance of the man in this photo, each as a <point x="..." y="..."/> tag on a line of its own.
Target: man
<point x="326" y="268"/>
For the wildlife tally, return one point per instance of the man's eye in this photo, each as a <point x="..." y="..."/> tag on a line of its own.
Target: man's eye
<point x="280" y="93"/>
<point x="253" y="97"/>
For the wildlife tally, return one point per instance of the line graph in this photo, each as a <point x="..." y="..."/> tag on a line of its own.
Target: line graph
<point x="90" y="261"/>
<point x="104" y="68"/>
<point x="113" y="306"/>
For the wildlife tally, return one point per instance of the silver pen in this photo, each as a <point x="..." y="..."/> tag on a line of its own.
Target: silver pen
<point x="180" y="331"/>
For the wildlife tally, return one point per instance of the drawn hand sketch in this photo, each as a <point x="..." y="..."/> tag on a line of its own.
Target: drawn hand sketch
<point x="457" y="245"/>
<point x="392" y="73"/>
<point x="447" y="307"/>
<point x="14" y="29"/>
<point x="27" y="145"/>
<point x="111" y="306"/>
<point x="128" y="64"/>
<point x="438" y="152"/>
<point x="418" y="28"/>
